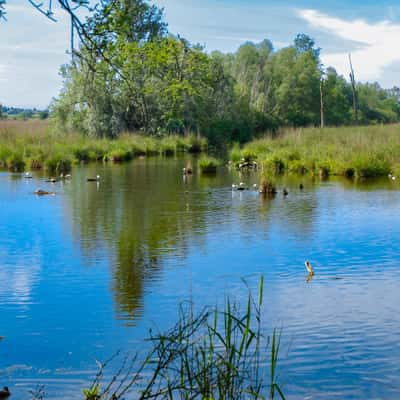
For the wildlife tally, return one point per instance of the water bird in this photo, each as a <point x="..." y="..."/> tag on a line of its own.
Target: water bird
<point x="285" y="192"/>
<point x="97" y="179"/>
<point x="255" y="186"/>
<point x="234" y="186"/>
<point x="28" y="175"/>
<point x="393" y="178"/>
<point x="301" y="186"/>
<point x="41" y="192"/>
<point x="5" y="393"/>
<point x="309" y="268"/>
<point x="241" y="186"/>
<point x="52" y="180"/>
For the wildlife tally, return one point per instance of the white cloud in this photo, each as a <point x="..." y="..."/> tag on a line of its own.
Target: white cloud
<point x="378" y="43"/>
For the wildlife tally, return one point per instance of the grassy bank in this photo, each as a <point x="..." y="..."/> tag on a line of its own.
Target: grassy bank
<point x="33" y="145"/>
<point x="349" y="151"/>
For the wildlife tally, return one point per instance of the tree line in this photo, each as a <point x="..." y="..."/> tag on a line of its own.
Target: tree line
<point x="134" y="75"/>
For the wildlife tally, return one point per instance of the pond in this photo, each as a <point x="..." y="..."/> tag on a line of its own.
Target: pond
<point x="88" y="271"/>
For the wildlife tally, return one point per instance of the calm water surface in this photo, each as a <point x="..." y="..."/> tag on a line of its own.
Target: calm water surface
<point x="88" y="271"/>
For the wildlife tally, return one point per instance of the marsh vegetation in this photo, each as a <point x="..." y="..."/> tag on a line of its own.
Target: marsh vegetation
<point x="368" y="151"/>
<point x="35" y="145"/>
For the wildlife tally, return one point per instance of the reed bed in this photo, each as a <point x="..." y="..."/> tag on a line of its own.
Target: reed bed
<point x="33" y="144"/>
<point x="366" y="151"/>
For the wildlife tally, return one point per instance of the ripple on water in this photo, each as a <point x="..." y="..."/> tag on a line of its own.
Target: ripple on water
<point x="88" y="271"/>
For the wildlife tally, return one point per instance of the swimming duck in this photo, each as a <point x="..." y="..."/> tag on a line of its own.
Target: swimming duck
<point x="41" y="192"/>
<point x="241" y="186"/>
<point x="97" y="179"/>
<point x="309" y="268"/>
<point x="5" y="393"/>
<point x="285" y="192"/>
<point x="28" y="175"/>
<point x="255" y="186"/>
<point x="301" y="186"/>
<point x="52" y="180"/>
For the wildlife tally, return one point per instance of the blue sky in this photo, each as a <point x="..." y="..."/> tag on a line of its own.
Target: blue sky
<point x="32" y="48"/>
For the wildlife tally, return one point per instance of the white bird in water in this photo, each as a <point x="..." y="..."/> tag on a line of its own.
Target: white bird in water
<point x="234" y="186"/>
<point x="28" y="175"/>
<point x="309" y="268"/>
<point x="255" y="186"/>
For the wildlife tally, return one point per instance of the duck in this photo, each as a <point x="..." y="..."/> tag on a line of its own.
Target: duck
<point x="52" y="180"/>
<point x="301" y="186"/>
<point x="187" y="171"/>
<point x="234" y="186"/>
<point x="28" y="175"/>
<point x="241" y="186"/>
<point x="97" y="179"/>
<point x="5" y="393"/>
<point x="309" y="268"/>
<point x="255" y="186"/>
<point x="41" y="192"/>
<point x="285" y="192"/>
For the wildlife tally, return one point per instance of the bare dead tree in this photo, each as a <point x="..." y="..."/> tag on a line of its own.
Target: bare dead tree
<point x="354" y="90"/>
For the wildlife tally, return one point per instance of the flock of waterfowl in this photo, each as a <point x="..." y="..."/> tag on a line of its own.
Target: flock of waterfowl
<point x="61" y="178"/>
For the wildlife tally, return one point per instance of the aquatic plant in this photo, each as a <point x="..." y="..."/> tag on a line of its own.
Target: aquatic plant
<point x="266" y="186"/>
<point x="213" y="354"/>
<point x="208" y="165"/>
<point x="57" y="164"/>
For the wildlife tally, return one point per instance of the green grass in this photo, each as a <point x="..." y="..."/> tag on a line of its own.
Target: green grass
<point x="348" y="151"/>
<point x="34" y="145"/>
<point x="208" y="165"/>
